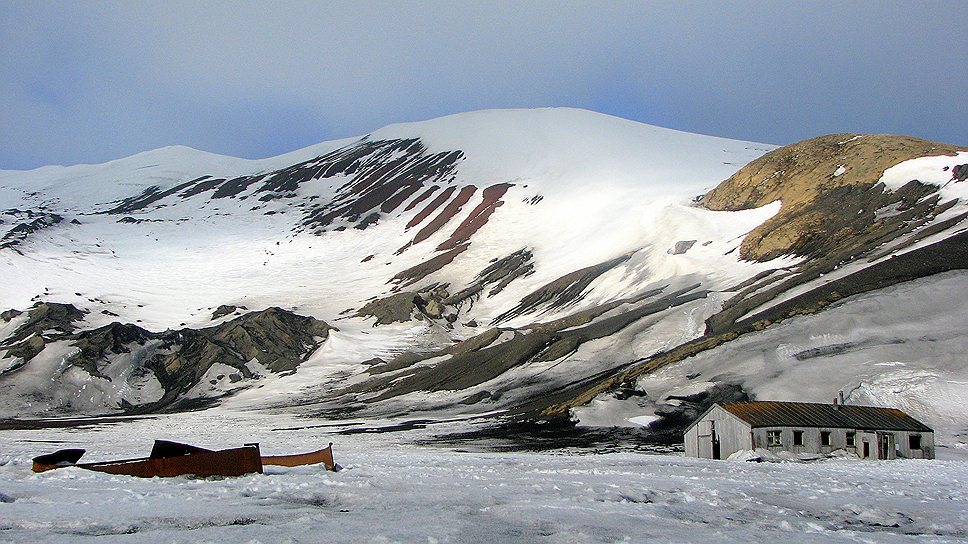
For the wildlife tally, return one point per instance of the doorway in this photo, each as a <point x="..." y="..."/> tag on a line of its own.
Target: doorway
<point x="885" y="446"/>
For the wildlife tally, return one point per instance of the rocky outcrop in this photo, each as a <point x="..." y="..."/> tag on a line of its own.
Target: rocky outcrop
<point x="831" y="221"/>
<point x="946" y="255"/>
<point x="562" y="291"/>
<point x="492" y="353"/>
<point x="396" y="308"/>
<point x="430" y="302"/>
<point x="46" y="321"/>
<point x="827" y="189"/>
<point x="30" y="223"/>
<point x="499" y="273"/>
<point x="226" y="309"/>
<point x="384" y="175"/>
<point x="420" y="271"/>
<point x="276" y="339"/>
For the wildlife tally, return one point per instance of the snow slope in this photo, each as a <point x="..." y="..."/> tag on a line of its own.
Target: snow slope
<point x="622" y="185"/>
<point x="617" y="264"/>
<point x="897" y="347"/>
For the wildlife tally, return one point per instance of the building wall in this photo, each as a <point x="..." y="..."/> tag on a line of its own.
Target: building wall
<point x="732" y="433"/>
<point x="735" y="435"/>
<point x="838" y="441"/>
<point x="811" y="439"/>
<point x="904" y="451"/>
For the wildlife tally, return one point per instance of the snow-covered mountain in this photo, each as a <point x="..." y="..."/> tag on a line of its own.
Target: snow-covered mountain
<point x="531" y="263"/>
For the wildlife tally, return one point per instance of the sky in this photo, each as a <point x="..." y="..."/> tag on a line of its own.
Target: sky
<point x="92" y="81"/>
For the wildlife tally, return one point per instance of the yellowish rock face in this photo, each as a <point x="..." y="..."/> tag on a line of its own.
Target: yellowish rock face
<point x="802" y="176"/>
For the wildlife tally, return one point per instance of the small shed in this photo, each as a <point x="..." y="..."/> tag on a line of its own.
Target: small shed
<point x="870" y="432"/>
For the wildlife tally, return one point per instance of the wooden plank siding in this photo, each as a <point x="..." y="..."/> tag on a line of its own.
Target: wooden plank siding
<point x="736" y="434"/>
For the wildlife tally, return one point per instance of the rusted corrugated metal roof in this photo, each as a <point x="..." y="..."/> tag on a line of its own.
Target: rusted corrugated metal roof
<point x="807" y="414"/>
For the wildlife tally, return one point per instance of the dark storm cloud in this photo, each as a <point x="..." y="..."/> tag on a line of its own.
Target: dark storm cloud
<point x="88" y="82"/>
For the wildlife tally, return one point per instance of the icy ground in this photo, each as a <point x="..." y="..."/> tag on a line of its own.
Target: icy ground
<point x="391" y="491"/>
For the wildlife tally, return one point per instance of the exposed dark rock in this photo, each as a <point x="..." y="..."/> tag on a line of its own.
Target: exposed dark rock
<point x="277" y="339"/>
<point x="371" y="219"/>
<point x="224" y="310"/>
<point x="234" y="186"/>
<point x="959" y="172"/>
<point x="431" y="207"/>
<point x="401" y="307"/>
<point x="202" y="185"/>
<point x="46" y="321"/>
<point x="677" y="416"/>
<point x="49" y="316"/>
<point x="481" y="358"/>
<point x="432" y="308"/>
<point x="7" y="315"/>
<point x="416" y="273"/>
<point x="96" y="343"/>
<point x="945" y="255"/>
<point x="681" y="247"/>
<point x="476" y="397"/>
<point x="21" y="231"/>
<point x="836" y="221"/>
<point x="384" y="175"/>
<point x="835" y="349"/>
<point x="453" y="208"/>
<point x="478" y="217"/>
<point x="566" y="289"/>
<point x="501" y="272"/>
<point x="149" y="196"/>
<point x="396" y="308"/>
<point x="421" y="197"/>
<point x="626" y="392"/>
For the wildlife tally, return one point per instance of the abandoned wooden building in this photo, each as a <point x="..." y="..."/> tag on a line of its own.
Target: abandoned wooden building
<point x="798" y="427"/>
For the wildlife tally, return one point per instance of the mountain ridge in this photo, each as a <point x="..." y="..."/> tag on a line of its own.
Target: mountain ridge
<point x="598" y="254"/>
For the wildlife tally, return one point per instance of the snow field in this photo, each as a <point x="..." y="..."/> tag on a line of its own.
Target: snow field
<point x="393" y="492"/>
<point x="896" y="347"/>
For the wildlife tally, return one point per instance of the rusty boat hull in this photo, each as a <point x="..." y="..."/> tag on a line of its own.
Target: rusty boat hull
<point x="323" y="456"/>
<point x="168" y="459"/>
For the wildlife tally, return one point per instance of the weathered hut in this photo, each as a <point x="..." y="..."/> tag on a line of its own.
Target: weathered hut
<point x="799" y="427"/>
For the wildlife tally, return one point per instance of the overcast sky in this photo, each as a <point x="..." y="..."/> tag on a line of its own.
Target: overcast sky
<point x="86" y="82"/>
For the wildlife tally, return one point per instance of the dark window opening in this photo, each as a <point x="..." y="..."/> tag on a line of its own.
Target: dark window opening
<point x="797" y="438"/>
<point x="773" y="438"/>
<point x="850" y="440"/>
<point x="824" y="438"/>
<point x="914" y="441"/>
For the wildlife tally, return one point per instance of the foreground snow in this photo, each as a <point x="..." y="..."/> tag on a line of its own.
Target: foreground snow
<point x="392" y="492"/>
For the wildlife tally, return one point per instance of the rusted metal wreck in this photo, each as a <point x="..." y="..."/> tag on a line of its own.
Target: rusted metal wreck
<point x="175" y="459"/>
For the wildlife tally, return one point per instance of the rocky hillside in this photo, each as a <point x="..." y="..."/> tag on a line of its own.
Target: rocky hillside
<point x="542" y="264"/>
<point x="827" y="188"/>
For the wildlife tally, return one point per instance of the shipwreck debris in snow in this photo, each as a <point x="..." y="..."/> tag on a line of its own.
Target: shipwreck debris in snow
<point x="175" y="459"/>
